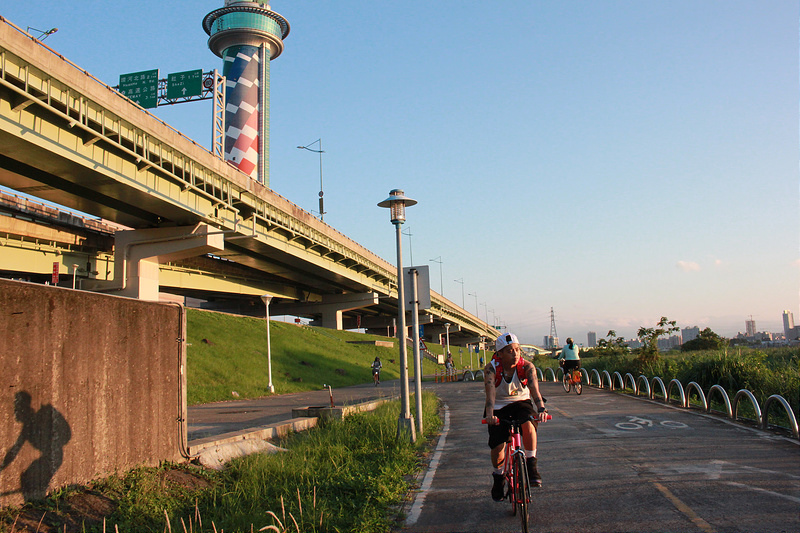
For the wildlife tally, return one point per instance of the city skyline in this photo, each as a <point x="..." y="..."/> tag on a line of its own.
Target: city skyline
<point x="617" y="162"/>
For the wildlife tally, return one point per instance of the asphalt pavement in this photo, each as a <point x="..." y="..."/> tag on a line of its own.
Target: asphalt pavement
<point x="610" y="462"/>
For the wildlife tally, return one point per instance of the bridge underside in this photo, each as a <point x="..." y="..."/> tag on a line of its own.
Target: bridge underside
<point x="69" y="139"/>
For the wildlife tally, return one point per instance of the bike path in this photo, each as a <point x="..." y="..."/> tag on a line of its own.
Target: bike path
<point x="614" y="463"/>
<point x="235" y="416"/>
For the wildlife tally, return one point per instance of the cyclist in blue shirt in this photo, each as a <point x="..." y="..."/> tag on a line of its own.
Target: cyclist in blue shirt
<point x="570" y="356"/>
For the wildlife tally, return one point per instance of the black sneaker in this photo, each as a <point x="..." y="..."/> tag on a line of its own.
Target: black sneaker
<point x="534" y="478"/>
<point x="498" y="486"/>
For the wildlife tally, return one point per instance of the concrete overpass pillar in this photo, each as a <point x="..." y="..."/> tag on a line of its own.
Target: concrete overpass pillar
<point x="330" y="308"/>
<point x="137" y="254"/>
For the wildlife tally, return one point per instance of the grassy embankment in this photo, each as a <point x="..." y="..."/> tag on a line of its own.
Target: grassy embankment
<point x="347" y="475"/>
<point x="228" y="354"/>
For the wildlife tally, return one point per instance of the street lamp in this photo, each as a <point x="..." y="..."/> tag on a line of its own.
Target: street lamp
<point x="407" y="231"/>
<point x="447" y="329"/>
<point x="441" y="282"/>
<point x="397" y="202"/>
<point x="461" y="281"/>
<point x="476" y="304"/>
<point x="321" y="194"/>
<point x="43" y="34"/>
<point x="267" y="299"/>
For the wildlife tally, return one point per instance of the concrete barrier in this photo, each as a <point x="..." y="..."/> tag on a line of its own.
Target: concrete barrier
<point x="90" y="385"/>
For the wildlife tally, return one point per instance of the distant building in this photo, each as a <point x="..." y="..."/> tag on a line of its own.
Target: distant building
<point x="665" y="345"/>
<point x="592" y="338"/>
<point x="690" y="334"/>
<point x="789" y="330"/>
<point x="750" y="328"/>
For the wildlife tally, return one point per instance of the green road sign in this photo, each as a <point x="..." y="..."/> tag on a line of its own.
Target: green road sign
<point x="183" y="84"/>
<point x="141" y="87"/>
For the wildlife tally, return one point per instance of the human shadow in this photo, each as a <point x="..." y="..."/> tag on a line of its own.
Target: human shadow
<point x="46" y="430"/>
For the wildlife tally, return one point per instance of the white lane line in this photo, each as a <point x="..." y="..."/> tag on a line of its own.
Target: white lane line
<point x="419" y="501"/>
<point x="765" y="491"/>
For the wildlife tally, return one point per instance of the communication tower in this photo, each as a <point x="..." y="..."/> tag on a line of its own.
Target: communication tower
<point x="553" y="333"/>
<point x="247" y="35"/>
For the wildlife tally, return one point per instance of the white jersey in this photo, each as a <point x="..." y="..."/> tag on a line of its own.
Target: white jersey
<point x="507" y="393"/>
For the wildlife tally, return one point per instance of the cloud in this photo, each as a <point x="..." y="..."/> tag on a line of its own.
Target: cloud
<point x="688" y="266"/>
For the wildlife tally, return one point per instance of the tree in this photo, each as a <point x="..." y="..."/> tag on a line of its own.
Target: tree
<point x="649" y="337"/>
<point x="611" y="345"/>
<point x="706" y="340"/>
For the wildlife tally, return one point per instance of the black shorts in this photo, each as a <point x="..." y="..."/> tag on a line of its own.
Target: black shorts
<point x="570" y="364"/>
<point x="516" y="411"/>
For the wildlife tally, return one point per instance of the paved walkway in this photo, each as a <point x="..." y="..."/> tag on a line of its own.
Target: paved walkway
<point x="223" y="418"/>
<point x="610" y="462"/>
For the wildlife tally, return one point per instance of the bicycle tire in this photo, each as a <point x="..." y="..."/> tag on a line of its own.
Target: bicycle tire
<point x="578" y="388"/>
<point x="565" y="382"/>
<point x="521" y="490"/>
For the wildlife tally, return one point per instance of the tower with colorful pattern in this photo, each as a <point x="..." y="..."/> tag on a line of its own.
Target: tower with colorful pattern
<point x="247" y="35"/>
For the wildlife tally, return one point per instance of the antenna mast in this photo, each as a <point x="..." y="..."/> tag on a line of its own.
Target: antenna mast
<point x="553" y="333"/>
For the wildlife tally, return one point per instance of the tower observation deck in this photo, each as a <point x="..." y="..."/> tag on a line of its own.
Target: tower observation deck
<point x="247" y="35"/>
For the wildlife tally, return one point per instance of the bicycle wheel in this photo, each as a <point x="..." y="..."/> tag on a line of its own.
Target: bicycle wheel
<point x="521" y="489"/>
<point x="578" y="387"/>
<point x="565" y="382"/>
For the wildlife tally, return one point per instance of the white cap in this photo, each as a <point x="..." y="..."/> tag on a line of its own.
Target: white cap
<point x="504" y="340"/>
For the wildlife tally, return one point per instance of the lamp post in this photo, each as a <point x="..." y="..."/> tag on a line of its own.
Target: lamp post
<point x="447" y="329"/>
<point x="321" y="193"/>
<point x="267" y="299"/>
<point x="43" y="34"/>
<point x="441" y="282"/>
<point x="476" y="304"/>
<point x="407" y="231"/>
<point x="461" y="281"/>
<point x="397" y="202"/>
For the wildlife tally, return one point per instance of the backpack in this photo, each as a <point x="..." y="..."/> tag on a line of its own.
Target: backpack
<point x="498" y="376"/>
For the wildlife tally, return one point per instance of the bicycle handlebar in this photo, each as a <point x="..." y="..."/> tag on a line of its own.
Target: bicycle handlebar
<point x="510" y="421"/>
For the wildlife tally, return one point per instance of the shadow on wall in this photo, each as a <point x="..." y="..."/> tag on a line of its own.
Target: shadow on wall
<point x="46" y="430"/>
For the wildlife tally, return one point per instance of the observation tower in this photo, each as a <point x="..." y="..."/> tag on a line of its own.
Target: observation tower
<point x="247" y="35"/>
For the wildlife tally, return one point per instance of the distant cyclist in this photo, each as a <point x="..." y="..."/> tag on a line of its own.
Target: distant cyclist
<point x="376" y="370"/>
<point x="570" y="357"/>
<point x="511" y="392"/>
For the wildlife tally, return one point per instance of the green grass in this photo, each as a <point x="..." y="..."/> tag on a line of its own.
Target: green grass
<point x="342" y="476"/>
<point x="228" y="353"/>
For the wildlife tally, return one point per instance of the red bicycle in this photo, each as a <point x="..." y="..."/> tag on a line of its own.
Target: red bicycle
<point x="515" y="472"/>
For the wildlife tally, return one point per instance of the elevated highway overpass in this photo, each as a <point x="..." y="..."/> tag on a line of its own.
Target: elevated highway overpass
<point x="185" y="221"/>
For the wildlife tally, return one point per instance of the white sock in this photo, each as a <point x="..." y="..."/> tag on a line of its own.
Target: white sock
<point x="530" y="453"/>
<point x="499" y="470"/>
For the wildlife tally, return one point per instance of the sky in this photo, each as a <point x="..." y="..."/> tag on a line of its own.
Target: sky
<point x="614" y="161"/>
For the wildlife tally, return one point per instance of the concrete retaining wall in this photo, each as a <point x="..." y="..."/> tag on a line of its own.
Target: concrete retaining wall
<point x="90" y="384"/>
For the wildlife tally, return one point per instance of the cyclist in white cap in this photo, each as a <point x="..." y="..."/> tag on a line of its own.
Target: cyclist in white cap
<point x="511" y="392"/>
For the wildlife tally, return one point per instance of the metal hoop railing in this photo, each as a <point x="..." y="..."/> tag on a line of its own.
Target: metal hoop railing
<point x="643" y="379"/>
<point x="694" y="386"/>
<point x="633" y="382"/>
<point x="606" y="380"/>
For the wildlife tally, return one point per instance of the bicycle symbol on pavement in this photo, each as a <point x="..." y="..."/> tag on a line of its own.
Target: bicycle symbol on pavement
<point x="635" y="423"/>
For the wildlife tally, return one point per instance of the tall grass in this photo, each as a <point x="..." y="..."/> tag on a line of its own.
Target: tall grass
<point x="342" y="476"/>
<point x="346" y="477"/>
